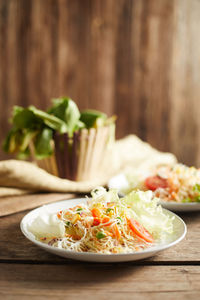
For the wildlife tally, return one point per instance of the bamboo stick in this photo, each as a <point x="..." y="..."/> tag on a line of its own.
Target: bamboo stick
<point x="82" y="154"/>
<point x="89" y="149"/>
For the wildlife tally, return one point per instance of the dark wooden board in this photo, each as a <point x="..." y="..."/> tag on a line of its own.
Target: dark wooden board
<point x="10" y="205"/>
<point x="119" y="281"/>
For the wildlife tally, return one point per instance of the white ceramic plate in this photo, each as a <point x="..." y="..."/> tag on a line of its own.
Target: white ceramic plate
<point x="176" y="237"/>
<point x="180" y="207"/>
<point x="120" y="182"/>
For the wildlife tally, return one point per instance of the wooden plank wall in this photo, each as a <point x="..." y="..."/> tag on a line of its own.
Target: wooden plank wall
<point x="139" y="59"/>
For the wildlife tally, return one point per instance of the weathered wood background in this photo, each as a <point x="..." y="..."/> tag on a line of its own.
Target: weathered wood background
<point x="139" y="59"/>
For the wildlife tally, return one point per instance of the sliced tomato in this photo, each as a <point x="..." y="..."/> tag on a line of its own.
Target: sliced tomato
<point x="139" y="230"/>
<point x="96" y="221"/>
<point x="155" y="182"/>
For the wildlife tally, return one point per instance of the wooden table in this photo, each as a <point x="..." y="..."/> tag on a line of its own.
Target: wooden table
<point x="27" y="272"/>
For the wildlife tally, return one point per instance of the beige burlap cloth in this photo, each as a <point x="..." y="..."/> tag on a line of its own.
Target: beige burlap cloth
<point x="20" y="177"/>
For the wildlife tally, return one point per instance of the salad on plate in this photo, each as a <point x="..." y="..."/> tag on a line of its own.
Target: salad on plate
<point x="177" y="183"/>
<point x="106" y="224"/>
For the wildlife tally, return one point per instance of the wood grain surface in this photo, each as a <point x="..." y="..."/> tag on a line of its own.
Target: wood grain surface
<point x="120" y="281"/>
<point x="10" y="205"/>
<point x="28" y="272"/>
<point x="138" y="59"/>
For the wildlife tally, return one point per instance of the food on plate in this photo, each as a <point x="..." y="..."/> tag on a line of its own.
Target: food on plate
<point x="177" y="183"/>
<point x="106" y="224"/>
<point x="62" y="140"/>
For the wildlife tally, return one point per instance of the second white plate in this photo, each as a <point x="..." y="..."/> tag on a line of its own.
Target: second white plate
<point x="120" y="182"/>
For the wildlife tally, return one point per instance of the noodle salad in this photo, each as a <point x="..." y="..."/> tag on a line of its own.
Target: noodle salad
<point x="178" y="183"/>
<point x="106" y="224"/>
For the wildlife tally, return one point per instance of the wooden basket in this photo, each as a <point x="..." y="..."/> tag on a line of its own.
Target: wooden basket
<point x="82" y="157"/>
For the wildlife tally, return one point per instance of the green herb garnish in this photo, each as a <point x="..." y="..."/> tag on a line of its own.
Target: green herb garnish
<point x="196" y="188"/>
<point x="120" y="220"/>
<point x="187" y="200"/>
<point x="79" y="209"/>
<point x="67" y="223"/>
<point x="100" y="235"/>
<point x="197" y="199"/>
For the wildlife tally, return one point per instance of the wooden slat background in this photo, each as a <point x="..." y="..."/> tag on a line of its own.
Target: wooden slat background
<point x="139" y="59"/>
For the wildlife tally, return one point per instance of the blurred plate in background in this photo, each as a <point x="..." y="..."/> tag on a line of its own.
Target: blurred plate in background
<point x="120" y="183"/>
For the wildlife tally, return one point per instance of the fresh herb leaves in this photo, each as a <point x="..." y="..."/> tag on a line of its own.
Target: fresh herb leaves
<point x="92" y="118"/>
<point x="196" y="188"/>
<point x="66" y="110"/>
<point x="43" y="143"/>
<point x="33" y="126"/>
<point x="100" y="235"/>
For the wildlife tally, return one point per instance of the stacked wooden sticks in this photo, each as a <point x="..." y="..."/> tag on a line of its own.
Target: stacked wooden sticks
<point x="81" y="157"/>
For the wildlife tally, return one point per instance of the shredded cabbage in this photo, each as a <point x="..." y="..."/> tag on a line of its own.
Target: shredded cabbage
<point x="149" y="213"/>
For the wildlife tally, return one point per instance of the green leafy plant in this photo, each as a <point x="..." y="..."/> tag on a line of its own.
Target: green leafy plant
<point x="66" y="110"/>
<point x="31" y="126"/>
<point x="92" y="118"/>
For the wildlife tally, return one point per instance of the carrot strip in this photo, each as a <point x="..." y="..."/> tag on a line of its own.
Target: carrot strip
<point x="96" y="212"/>
<point x="116" y="232"/>
<point x="108" y="233"/>
<point x="105" y="219"/>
